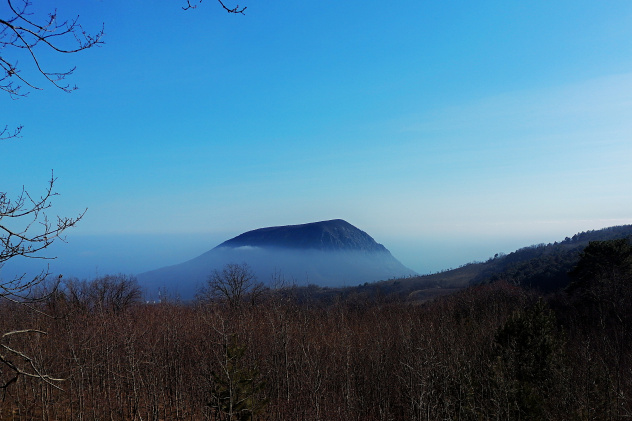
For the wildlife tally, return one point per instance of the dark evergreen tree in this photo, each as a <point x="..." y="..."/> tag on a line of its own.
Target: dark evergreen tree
<point x="236" y="387"/>
<point x="527" y="352"/>
<point x="602" y="287"/>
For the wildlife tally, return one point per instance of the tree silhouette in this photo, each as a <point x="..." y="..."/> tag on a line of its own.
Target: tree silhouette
<point x="233" y="284"/>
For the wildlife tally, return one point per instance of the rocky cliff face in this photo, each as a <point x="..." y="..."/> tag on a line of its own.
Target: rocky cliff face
<point x="327" y="253"/>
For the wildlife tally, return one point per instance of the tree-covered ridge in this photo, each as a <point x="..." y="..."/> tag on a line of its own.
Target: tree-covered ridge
<point x="544" y="267"/>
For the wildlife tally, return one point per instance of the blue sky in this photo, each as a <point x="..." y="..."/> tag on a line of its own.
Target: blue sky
<point x="448" y="130"/>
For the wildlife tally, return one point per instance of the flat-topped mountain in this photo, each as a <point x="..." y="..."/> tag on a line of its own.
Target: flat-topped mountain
<point x="327" y="253"/>
<point x="335" y="234"/>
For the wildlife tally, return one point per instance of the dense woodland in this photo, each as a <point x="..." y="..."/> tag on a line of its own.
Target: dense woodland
<point x="492" y="351"/>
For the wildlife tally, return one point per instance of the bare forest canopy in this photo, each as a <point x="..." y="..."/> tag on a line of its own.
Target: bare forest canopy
<point x="492" y="351"/>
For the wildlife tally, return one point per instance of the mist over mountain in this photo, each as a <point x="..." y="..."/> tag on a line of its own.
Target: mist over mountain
<point x="327" y="253"/>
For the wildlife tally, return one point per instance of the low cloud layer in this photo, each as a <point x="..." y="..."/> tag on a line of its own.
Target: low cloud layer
<point x="300" y="267"/>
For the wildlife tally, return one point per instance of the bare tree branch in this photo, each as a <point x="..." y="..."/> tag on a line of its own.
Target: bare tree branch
<point x="236" y="10"/>
<point x="20" y="363"/>
<point x="20" y="31"/>
<point x="26" y="230"/>
<point x="7" y="133"/>
<point x="23" y="29"/>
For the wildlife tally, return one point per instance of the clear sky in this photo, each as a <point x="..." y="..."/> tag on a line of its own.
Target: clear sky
<point x="448" y="130"/>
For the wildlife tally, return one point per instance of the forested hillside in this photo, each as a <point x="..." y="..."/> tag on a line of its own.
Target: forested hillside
<point x="492" y="351"/>
<point x="543" y="267"/>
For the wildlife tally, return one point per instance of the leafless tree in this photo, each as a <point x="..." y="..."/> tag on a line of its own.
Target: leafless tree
<point x="109" y="293"/>
<point x="235" y="283"/>
<point x="26" y="230"/>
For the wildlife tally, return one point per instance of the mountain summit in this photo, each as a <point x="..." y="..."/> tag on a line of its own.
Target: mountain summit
<point x="332" y="235"/>
<point x="327" y="253"/>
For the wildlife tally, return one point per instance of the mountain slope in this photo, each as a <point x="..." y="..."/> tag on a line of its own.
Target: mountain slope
<point x="326" y="253"/>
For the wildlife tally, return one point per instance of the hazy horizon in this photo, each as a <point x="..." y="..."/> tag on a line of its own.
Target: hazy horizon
<point x="91" y="256"/>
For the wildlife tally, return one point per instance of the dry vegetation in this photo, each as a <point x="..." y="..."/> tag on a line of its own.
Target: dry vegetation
<point x="488" y="352"/>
